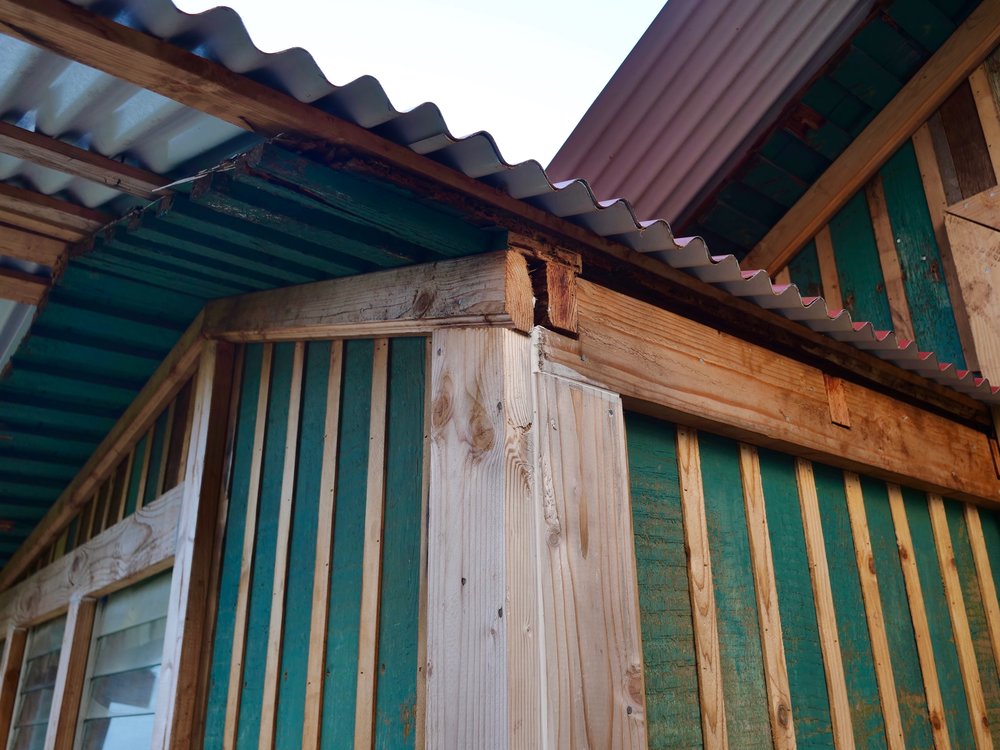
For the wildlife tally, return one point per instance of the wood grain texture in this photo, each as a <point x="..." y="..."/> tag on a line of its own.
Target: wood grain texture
<point x="836" y="684"/>
<point x="31" y="247"/>
<point x="892" y="274"/>
<point x="989" y="119"/>
<point x="984" y="573"/>
<point x="918" y="615"/>
<point x="960" y="623"/>
<point x="371" y="566"/>
<point x="68" y="688"/>
<point x="916" y="101"/>
<point x="589" y="595"/>
<point x="840" y="412"/>
<point x="966" y="142"/>
<point x="490" y="289"/>
<point x="768" y="617"/>
<point x="676" y="368"/>
<point x="25" y="288"/>
<point x="10" y="673"/>
<point x="419" y="735"/>
<point x="706" y="634"/>
<point x="828" y="269"/>
<point x="324" y="555"/>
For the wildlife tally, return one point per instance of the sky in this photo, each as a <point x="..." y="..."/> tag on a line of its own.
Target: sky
<point x="524" y="70"/>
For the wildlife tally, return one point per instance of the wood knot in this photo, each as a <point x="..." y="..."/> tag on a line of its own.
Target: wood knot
<point x="441" y="409"/>
<point x="871" y="564"/>
<point x="482" y="435"/>
<point x="422" y="302"/>
<point x="936" y="720"/>
<point x="783" y="714"/>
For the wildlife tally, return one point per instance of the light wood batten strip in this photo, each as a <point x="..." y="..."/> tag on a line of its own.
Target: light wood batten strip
<point x="984" y="573"/>
<point x="966" y="48"/>
<point x="70" y="673"/>
<point x="421" y="709"/>
<point x="122" y="499"/>
<point x="246" y="565"/>
<point x="161" y="475"/>
<point x="324" y="555"/>
<point x="873" y="611"/>
<point x="892" y="273"/>
<point x="371" y="569"/>
<point x="706" y="632"/>
<point x="829" y="277"/>
<point x="10" y="673"/>
<point x="986" y="107"/>
<point x="918" y="613"/>
<point x="493" y="289"/>
<point x="147" y="456"/>
<point x="276" y="626"/>
<point x="960" y="623"/>
<point x="766" y="592"/>
<point x="34" y="248"/>
<point x="826" y="616"/>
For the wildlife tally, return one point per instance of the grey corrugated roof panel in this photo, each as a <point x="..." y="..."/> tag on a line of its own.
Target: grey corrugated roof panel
<point x="219" y="34"/>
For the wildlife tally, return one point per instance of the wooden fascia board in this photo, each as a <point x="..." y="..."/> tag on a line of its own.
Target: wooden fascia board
<point x="22" y="287"/>
<point x="966" y="48"/>
<point x="679" y="369"/>
<point x="64" y="157"/>
<point x="31" y="247"/>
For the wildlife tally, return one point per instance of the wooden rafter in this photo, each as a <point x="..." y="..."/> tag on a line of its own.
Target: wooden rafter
<point x="49" y="216"/>
<point x="29" y="246"/>
<point x="22" y="287"/>
<point x="917" y="100"/>
<point x="79" y="162"/>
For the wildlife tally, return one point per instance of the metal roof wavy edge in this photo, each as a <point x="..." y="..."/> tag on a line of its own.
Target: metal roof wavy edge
<point x="221" y="35"/>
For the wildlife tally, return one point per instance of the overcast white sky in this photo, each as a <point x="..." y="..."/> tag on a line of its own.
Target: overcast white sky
<point x="524" y="70"/>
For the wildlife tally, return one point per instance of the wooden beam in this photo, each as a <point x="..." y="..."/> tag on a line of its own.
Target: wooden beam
<point x="892" y="272"/>
<point x="181" y="694"/>
<point x="966" y="48"/>
<point x="161" y="388"/>
<point x="31" y="247"/>
<point x="675" y="368"/>
<point x="704" y="616"/>
<point x="68" y="688"/>
<point x="26" y="288"/>
<point x="52" y="153"/>
<point x="51" y="211"/>
<point x="491" y="289"/>
<point x="984" y="572"/>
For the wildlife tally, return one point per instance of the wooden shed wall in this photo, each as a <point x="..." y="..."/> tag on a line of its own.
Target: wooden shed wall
<point x="316" y="638"/>
<point x="816" y="604"/>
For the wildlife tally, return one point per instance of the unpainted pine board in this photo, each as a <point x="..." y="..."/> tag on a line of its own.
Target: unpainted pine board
<point x="784" y="276"/>
<point x="329" y="395"/>
<point x="283" y="533"/>
<point x="238" y="643"/>
<point x="918" y="616"/>
<point x="942" y="638"/>
<point x="589" y="597"/>
<point x="371" y="565"/>
<point x="396" y="716"/>
<point x="892" y="273"/>
<point x="989" y="119"/>
<point x="68" y="687"/>
<point x="984" y="573"/>
<point x="849" y="609"/>
<point x="419" y="734"/>
<point x="701" y="583"/>
<point x="977" y="262"/>
<point x="31" y="247"/>
<point x="768" y="616"/>
<point x="668" y="640"/>
<point x="119" y="493"/>
<point x="928" y="157"/>
<point x="137" y="457"/>
<point x="829" y="278"/>
<point x="899" y="629"/>
<point x="964" y="132"/>
<point x="163" y="467"/>
<point x="873" y="612"/>
<point x="960" y="623"/>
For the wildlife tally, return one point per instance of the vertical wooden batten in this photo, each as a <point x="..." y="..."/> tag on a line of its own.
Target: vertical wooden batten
<point x="706" y="634"/>
<point x="70" y="674"/>
<point x="892" y="273"/>
<point x="828" y="269"/>
<point x="181" y="695"/>
<point x="421" y="706"/>
<point x="986" y="107"/>
<point x="836" y="683"/>
<point x="984" y="573"/>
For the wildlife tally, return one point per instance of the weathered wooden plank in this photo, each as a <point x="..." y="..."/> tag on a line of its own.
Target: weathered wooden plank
<point x="588" y="579"/>
<point x="31" y="247"/>
<point x="371" y="563"/>
<point x="668" y="640"/>
<point x="490" y="289"/>
<point x="989" y="119"/>
<point x="322" y="406"/>
<point x="916" y="101"/>
<point x="157" y="457"/>
<point x="68" y="688"/>
<point x="960" y="623"/>
<point x="771" y="638"/>
<point x="987" y="586"/>
<point x="918" y="616"/>
<point x="676" y="368"/>
<point x="53" y="213"/>
<point x="26" y="288"/>
<point x="804" y="272"/>
<point x="892" y="274"/>
<point x="828" y="272"/>
<point x="283" y="535"/>
<point x="859" y="269"/>
<point x="396" y="716"/>
<point x="702" y="591"/>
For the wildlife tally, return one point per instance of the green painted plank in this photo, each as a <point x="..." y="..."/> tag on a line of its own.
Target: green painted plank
<point x="673" y="713"/>
<point x="836" y="103"/>
<point x="804" y="271"/>
<point x="890" y="49"/>
<point x="966" y="566"/>
<point x="862" y="285"/>
<point x="923" y="275"/>
<point x="265" y="549"/>
<point x="922" y="21"/>
<point x="396" y="694"/>
<point x="83" y="287"/>
<point x="799" y="626"/>
<point x="794" y="156"/>
<point x="829" y="140"/>
<point x="232" y="555"/>
<point x="302" y="548"/>
<point x="132" y="498"/>
<point x="771" y="180"/>
<point x="852" y="628"/>
<point x="348" y="547"/>
<point x="740" y="660"/>
<point x="738" y="228"/>
<point x="896" y="614"/>
<point x="157" y="456"/>
<point x="938" y="620"/>
<point x="866" y="79"/>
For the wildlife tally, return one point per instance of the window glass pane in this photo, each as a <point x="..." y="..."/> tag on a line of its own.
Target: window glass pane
<point x="38" y="676"/>
<point x="124" y="668"/>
